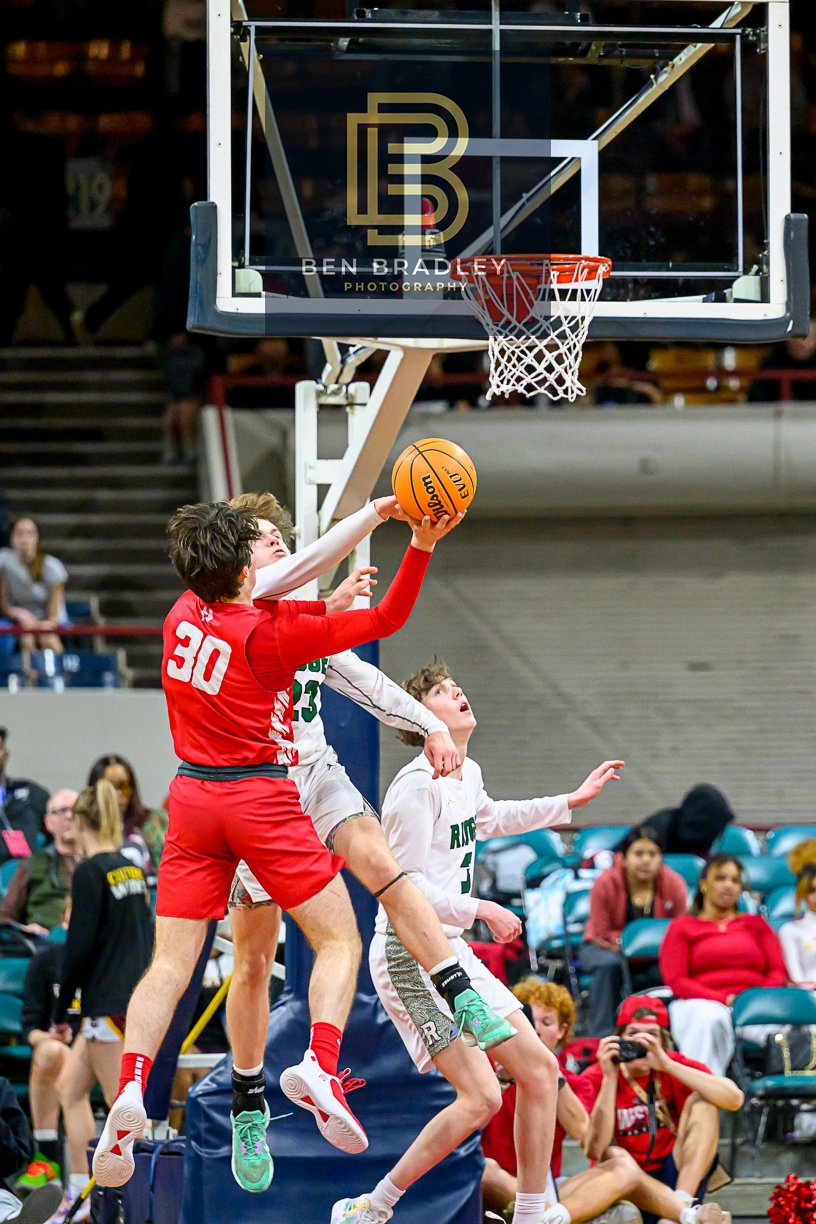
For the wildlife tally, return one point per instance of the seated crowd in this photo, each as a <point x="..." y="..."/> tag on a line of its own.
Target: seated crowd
<point x="77" y="893"/>
<point x="656" y="1060"/>
<point x="640" y="1091"/>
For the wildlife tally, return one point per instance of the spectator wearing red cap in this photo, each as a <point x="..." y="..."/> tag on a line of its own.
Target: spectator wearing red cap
<point x="661" y="1108"/>
<point x="637" y="885"/>
<point x="589" y="1194"/>
<point x="709" y="957"/>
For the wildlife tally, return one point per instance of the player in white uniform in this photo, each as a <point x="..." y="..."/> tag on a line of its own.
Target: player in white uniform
<point x="350" y="828"/>
<point x="432" y="826"/>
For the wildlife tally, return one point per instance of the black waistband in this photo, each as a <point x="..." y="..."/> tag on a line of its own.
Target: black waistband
<point x="232" y="773"/>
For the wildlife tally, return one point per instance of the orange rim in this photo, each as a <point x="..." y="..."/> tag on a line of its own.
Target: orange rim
<point x="564" y="269"/>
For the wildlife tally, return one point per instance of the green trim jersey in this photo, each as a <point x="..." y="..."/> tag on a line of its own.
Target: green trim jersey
<point x="432" y="826"/>
<point x="362" y="683"/>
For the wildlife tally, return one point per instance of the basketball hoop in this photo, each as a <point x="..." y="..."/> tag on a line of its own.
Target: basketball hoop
<point x="536" y="310"/>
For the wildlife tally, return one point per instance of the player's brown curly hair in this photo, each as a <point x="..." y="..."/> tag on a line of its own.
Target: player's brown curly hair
<point x="210" y="545"/>
<point x="420" y="683"/>
<point x="266" y="506"/>
<point x="547" y="994"/>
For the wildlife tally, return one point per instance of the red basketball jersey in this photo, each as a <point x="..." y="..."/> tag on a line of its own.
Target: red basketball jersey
<point x="219" y="713"/>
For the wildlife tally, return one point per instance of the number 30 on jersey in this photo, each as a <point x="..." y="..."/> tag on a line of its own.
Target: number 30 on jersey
<point x="198" y="659"/>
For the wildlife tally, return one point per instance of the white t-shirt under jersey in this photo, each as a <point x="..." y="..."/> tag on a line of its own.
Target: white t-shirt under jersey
<point x="432" y="827"/>
<point x="362" y="683"/>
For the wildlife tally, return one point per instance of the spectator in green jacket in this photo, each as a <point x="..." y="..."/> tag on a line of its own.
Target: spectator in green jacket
<point x="35" y="898"/>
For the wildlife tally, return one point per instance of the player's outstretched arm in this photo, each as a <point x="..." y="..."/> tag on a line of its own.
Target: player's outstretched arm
<point x="375" y="692"/>
<point x="286" y="575"/>
<point x="592" y="786"/>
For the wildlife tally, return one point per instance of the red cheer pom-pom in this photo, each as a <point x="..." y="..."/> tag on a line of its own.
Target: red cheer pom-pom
<point x="794" y="1202"/>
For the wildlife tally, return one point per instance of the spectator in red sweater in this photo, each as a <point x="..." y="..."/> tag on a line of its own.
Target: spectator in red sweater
<point x="588" y="1194"/>
<point x="662" y="1109"/>
<point x="637" y="885"/>
<point x="709" y="957"/>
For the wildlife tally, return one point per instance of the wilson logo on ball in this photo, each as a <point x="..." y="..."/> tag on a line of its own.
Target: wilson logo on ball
<point x="433" y="477"/>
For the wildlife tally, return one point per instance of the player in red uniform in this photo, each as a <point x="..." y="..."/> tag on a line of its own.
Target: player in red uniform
<point x="227" y="673"/>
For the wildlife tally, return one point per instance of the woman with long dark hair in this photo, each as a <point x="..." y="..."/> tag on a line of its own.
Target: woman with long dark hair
<point x="143" y="828"/>
<point x="712" y="955"/>
<point x="32" y="587"/>
<point x="637" y="885"/>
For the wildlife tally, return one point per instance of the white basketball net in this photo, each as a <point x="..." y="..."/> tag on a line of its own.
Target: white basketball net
<point x="536" y="323"/>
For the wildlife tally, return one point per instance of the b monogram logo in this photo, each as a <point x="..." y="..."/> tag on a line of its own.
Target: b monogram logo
<point x="382" y="167"/>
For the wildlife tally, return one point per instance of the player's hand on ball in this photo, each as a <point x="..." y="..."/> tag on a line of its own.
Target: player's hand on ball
<point x="427" y="534"/>
<point x="504" y="924"/>
<point x="592" y="786"/>
<point x="358" y="585"/>
<point x="442" y="754"/>
<point x="389" y="507"/>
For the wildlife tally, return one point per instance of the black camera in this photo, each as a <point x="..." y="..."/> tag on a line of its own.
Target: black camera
<point x="629" y="1051"/>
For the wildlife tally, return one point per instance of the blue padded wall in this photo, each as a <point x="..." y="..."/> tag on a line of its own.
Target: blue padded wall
<point x="395" y="1104"/>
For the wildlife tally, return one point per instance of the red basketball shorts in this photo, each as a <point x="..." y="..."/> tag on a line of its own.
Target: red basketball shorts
<point x="214" y="824"/>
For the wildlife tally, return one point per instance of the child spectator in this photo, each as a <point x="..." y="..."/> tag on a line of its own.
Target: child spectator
<point x="32" y="586"/>
<point x="798" y="938"/>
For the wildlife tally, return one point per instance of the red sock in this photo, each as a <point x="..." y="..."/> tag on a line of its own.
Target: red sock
<point x="135" y="1067"/>
<point x="325" y="1045"/>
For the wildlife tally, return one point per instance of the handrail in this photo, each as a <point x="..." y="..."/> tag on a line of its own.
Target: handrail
<point x="220" y="384"/>
<point x="127" y="631"/>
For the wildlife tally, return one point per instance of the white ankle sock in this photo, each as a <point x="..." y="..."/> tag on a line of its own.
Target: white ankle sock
<point x="250" y="1072"/>
<point x="45" y="1134"/>
<point x="445" y="964"/>
<point x="529" y="1208"/>
<point x="77" y="1183"/>
<point x="385" y="1194"/>
<point x="555" y="1215"/>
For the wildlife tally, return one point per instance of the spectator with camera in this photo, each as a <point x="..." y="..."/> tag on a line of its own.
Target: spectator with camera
<point x="591" y="1195"/>
<point x="637" y="885"/>
<point x="661" y="1108"/>
<point x="36" y="895"/>
<point x="711" y="955"/>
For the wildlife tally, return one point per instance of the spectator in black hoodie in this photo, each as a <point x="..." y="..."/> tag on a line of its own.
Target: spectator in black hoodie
<point x="15" y="1152"/>
<point x="110" y="938"/>
<point x="694" y="826"/>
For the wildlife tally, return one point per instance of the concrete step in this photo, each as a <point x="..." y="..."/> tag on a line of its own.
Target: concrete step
<point x="68" y="357"/>
<point x="54" y="453"/>
<point x="70" y="427"/>
<point x="134" y="548"/>
<point x="107" y="478"/>
<point x="40" y="501"/>
<point x="129" y="605"/>
<point x="95" y="525"/>
<point x="101" y="399"/>
<point x="81" y="378"/>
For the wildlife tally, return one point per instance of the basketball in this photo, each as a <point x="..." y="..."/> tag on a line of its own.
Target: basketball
<point x="435" y="477"/>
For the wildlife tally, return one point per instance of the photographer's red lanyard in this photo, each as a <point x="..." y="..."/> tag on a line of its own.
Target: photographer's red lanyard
<point x="655" y="1104"/>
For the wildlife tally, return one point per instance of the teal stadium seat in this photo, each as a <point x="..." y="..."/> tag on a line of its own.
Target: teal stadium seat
<point x="545" y="843"/>
<point x="766" y="873"/>
<point x="778" y="1006"/>
<point x="597" y="837"/>
<point x="640" y="946"/>
<point x="6" y="872"/>
<point x="780" y="906"/>
<point x="784" y="838"/>
<point x="13" y="971"/>
<point x="689" y="866"/>
<point x="738" y="841"/>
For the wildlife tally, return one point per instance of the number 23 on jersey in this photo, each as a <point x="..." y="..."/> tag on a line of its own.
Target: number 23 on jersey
<point x="198" y="659"/>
